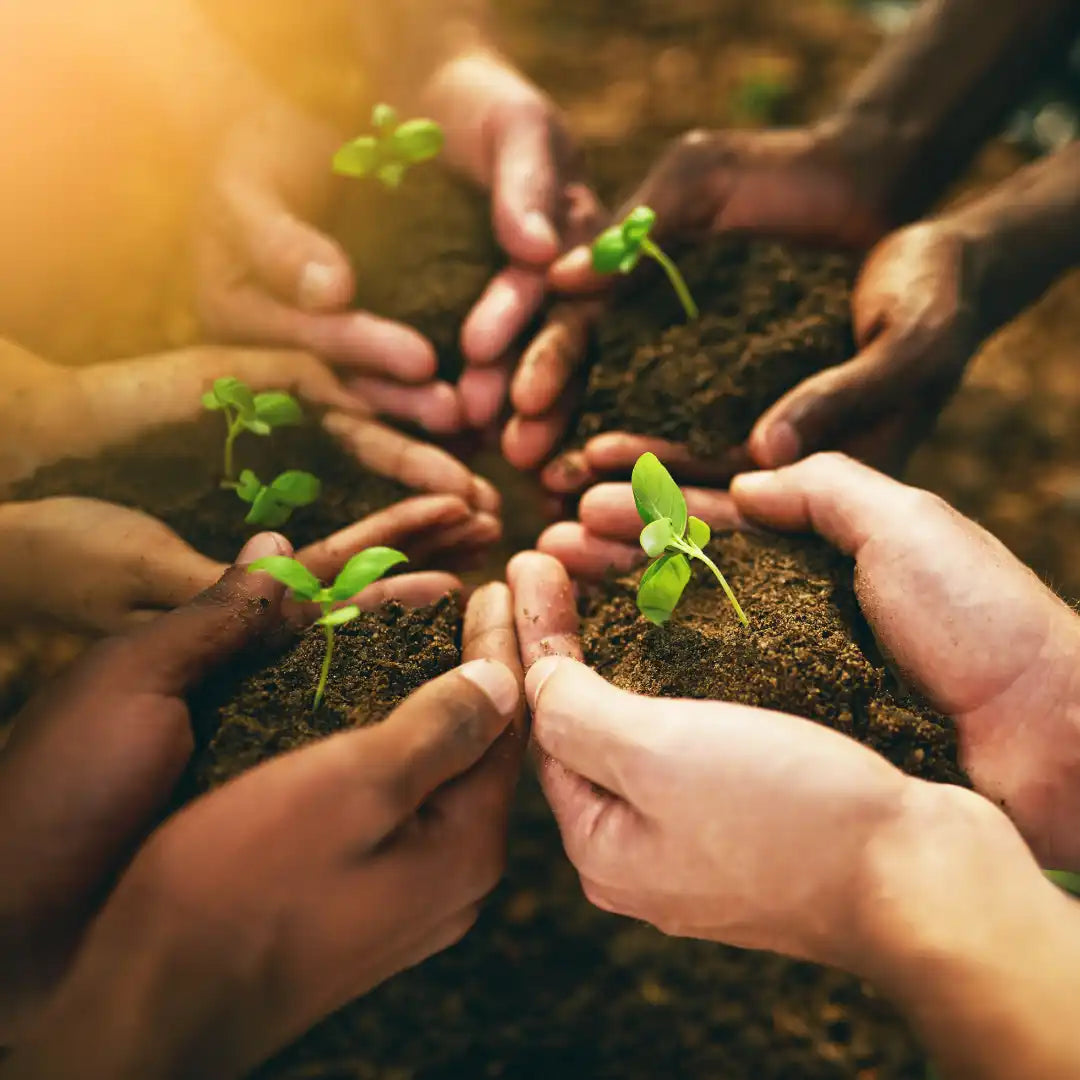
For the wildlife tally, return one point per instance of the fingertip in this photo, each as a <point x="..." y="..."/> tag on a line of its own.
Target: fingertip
<point x="775" y="443"/>
<point x="574" y="273"/>
<point x="538" y="675"/>
<point x="324" y="286"/>
<point x="484" y="495"/>
<point x="531" y="238"/>
<point x="568" y="474"/>
<point x="262" y="546"/>
<point x="496" y="681"/>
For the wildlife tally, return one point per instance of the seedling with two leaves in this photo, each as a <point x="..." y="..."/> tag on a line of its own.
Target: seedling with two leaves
<point x="671" y="537"/>
<point x="272" y="504"/>
<point x="618" y="250"/>
<point x="356" y="575"/>
<point x="392" y="150"/>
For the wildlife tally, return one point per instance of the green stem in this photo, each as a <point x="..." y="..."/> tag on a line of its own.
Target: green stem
<point x="676" y="279"/>
<point x="235" y="427"/>
<point x="325" y="673"/>
<point x="696" y="553"/>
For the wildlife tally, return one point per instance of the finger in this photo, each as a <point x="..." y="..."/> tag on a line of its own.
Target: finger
<point x="568" y="474"/>
<point x="586" y="555"/>
<point x="545" y="612"/>
<point x="528" y="441"/>
<point x="415" y="464"/>
<point x="615" y="453"/>
<point x="435" y="406"/>
<point x="609" y="510"/>
<point x="489" y="631"/>
<point x="475" y="534"/>
<point x="573" y="274"/>
<point x="552" y="358"/>
<point x="412" y="590"/>
<point x="482" y="392"/>
<point x="524" y="191"/>
<point x="507" y="305"/>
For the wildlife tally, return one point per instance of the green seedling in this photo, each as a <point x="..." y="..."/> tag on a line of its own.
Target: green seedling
<point x="272" y="504"/>
<point x="672" y="538"/>
<point x="619" y="249"/>
<point x="247" y="411"/>
<point x="357" y="574"/>
<point x="393" y="149"/>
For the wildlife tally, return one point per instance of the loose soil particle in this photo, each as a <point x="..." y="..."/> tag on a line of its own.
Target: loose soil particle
<point x="771" y="316"/>
<point x="174" y="474"/>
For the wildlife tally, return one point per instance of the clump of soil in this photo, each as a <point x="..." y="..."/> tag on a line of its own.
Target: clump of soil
<point x="423" y="253"/>
<point x="770" y="317"/>
<point x="807" y="651"/>
<point x="174" y="474"/>
<point x="256" y="710"/>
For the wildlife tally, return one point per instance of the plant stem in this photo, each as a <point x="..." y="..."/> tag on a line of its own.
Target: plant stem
<point x="696" y="553"/>
<point x="676" y="279"/>
<point x="325" y="673"/>
<point x="235" y="428"/>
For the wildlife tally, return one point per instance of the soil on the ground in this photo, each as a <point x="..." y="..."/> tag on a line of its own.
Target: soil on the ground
<point x="423" y="253"/>
<point x="807" y="649"/>
<point x="174" y="474"/>
<point x="770" y="317"/>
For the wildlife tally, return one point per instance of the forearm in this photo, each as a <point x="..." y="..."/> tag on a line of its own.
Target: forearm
<point x="975" y="946"/>
<point x="920" y="111"/>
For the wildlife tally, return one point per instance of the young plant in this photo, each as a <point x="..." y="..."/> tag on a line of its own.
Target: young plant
<point x="247" y="411"/>
<point x="619" y="249"/>
<point x="272" y="504"/>
<point x="356" y="575"/>
<point x="392" y="150"/>
<point x="672" y="538"/>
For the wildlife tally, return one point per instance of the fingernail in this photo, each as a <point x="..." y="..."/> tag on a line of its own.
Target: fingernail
<point x="261" y="546"/>
<point x="574" y="263"/>
<point x="496" y="681"/>
<point x="782" y="445"/>
<point x="317" y="282"/>
<point x="540" y="230"/>
<point x="539" y="674"/>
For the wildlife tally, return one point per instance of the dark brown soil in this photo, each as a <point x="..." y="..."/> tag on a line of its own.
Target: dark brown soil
<point x="807" y="651"/>
<point x="174" y="474"/>
<point x="771" y="316"/>
<point x="255" y="711"/>
<point x="423" y="253"/>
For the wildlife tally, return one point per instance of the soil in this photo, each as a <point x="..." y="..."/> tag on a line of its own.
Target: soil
<point x="423" y="253"/>
<point x="174" y="474"/>
<point x="807" y="650"/>
<point x="771" y="316"/>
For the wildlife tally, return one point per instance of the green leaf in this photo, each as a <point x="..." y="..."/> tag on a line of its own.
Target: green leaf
<point x="608" y="251"/>
<point x="358" y="158"/>
<point x="656" y="495"/>
<point x="248" y="486"/>
<point x="295" y="488"/>
<point x="278" y="409"/>
<point x="629" y="263"/>
<point x="662" y="587"/>
<point x="209" y="401"/>
<point x="340" y="617"/>
<point x="698" y="532"/>
<point x="416" y="141"/>
<point x="1065" y="880"/>
<point x="268" y="510"/>
<point x="656" y="536"/>
<point x="637" y="225"/>
<point x="233" y="392"/>
<point x="391" y="174"/>
<point x="256" y="427"/>
<point x="363" y="569"/>
<point x="289" y="572"/>
<point x="384" y="117"/>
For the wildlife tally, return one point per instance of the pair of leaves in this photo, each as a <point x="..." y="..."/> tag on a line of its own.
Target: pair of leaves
<point x="392" y="150"/>
<point x="272" y="504"/>
<point x="362" y="570"/>
<point x="257" y="413"/>
<point x="619" y="249"/>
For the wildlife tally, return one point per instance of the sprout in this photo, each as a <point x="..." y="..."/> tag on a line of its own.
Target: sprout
<point x="246" y="411"/>
<point x="671" y="537"/>
<point x="392" y="150"/>
<point x="619" y="249"/>
<point x="272" y="504"/>
<point x="357" y="574"/>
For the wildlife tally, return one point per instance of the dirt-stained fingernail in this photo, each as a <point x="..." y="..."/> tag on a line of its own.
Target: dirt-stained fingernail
<point x="496" y="681"/>
<point x="261" y="546"/>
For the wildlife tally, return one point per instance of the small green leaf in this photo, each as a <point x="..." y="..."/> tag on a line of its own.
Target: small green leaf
<point x="289" y="572"/>
<point x="209" y="401"/>
<point x="629" y="263"/>
<point x="295" y="488"/>
<point x="358" y="158"/>
<point x="233" y="392"/>
<point x="656" y="536"/>
<point x="256" y="427"/>
<point x="662" y="586"/>
<point x="278" y="409"/>
<point x="416" y="141"/>
<point x="656" y="494"/>
<point x="391" y="174"/>
<point x="340" y="617"/>
<point x="637" y="225"/>
<point x="363" y="569"/>
<point x="608" y="251"/>
<point x="268" y="510"/>
<point x="698" y="532"/>
<point x="384" y="117"/>
<point x="248" y="486"/>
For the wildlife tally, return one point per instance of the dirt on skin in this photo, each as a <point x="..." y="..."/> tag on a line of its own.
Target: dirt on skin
<point x="174" y="474"/>
<point x="807" y="651"/>
<point x="770" y="317"/>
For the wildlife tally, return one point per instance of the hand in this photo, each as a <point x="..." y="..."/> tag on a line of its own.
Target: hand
<point x="799" y="185"/>
<point x="272" y="901"/>
<point x="706" y="819"/>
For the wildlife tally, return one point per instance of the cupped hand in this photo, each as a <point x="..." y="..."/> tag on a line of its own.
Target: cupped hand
<point x="706" y="819"/>
<point x="275" y="899"/>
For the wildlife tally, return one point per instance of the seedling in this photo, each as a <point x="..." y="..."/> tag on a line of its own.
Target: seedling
<point x="246" y="411"/>
<point x="619" y="249"/>
<point x="272" y="504"/>
<point x="356" y="575"/>
<point x="672" y="538"/>
<point x="392" y="150"/>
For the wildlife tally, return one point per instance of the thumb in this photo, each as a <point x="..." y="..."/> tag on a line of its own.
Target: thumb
<point x="524" y="193"/>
